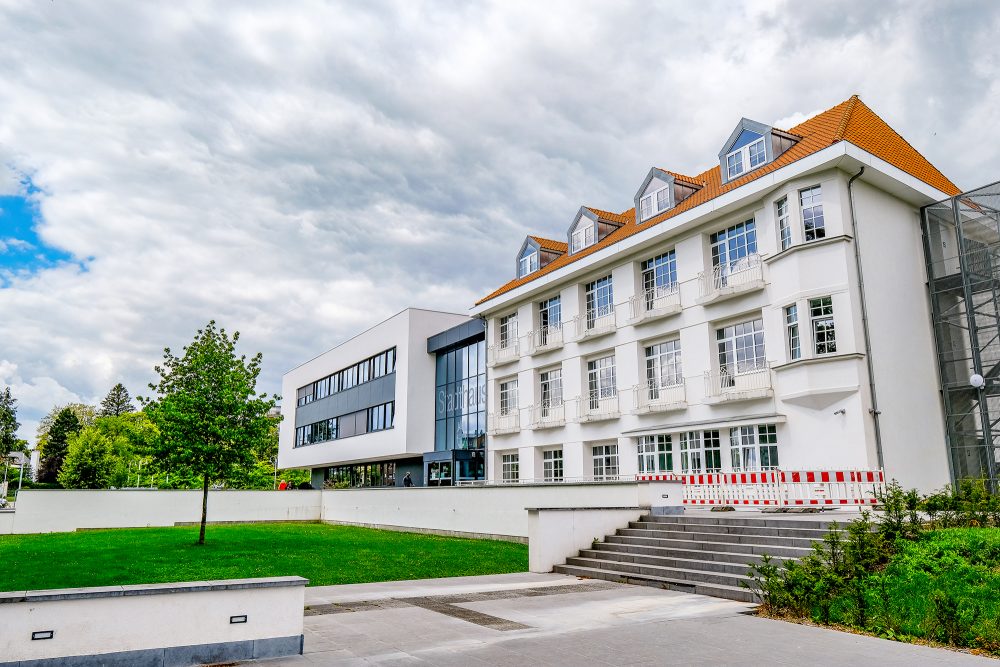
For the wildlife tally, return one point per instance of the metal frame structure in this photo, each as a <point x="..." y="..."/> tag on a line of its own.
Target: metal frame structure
<point x="961" y="238"/>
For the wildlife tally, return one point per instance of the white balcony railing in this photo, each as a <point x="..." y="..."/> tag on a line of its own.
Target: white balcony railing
<point x="500" y="423"/>
<point x="653" y="396"/>
<point x="742" y="275"/>
<point x="547" y="338"/>
<point x="738" y="385"/>
<point x="548" y="414"/>
<point x="596" y="322"/>
<point x="597" y="406"/>
<point x="658" y="301"/>
<point x="502" y="353"/>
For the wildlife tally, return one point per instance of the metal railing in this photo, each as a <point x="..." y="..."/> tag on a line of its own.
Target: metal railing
<point x="546" y="338"/>
<point x="733" y="383"/>
<point x="654" y="396"/>
<point x="595" y="322"/>
<point x="744" y="273"/>
<point x="548" y="414"/>
<point x="656" y="301"/>
<point x="502" y="353"/>
<point x="598" y="405"/>
<point x="504" y="422"/>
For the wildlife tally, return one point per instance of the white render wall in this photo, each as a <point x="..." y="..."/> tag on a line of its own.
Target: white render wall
<point x="413" y="430"/>
<point x="808" y="395"/>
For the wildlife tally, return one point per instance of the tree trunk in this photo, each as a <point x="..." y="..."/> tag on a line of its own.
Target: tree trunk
<point x="204" y="511"/>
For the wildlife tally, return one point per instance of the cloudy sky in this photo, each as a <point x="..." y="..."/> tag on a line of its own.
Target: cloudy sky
<point x="300" y="171"/>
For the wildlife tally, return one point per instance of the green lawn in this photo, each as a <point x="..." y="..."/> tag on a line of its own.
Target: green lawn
<point x="322" y="553"/>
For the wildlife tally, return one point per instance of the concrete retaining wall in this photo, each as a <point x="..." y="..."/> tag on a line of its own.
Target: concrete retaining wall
<point x="160" y="624"/>
<point x="6" y="522"/>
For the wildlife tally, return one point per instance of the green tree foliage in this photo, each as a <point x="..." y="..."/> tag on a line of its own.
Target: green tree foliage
<point x="85" y="414"/>
<point x="56" y="444"/>
<point x="111" y="452"/>
<point x="117" y="402"/>
<point x="90" y="462"/>
<point x="260" y="473"/>
<point x="210" y="417"/>
<point x="8" y="423"/>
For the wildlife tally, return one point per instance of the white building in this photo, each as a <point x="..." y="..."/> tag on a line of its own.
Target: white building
<point x="770" y="312"/>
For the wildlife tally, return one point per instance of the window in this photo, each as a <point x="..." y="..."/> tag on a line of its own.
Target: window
<point x="734" y="165"/>
<point x="509" y="468"/>
<point x="646" y="207"/>
<point x="605" y="462"/>
<point x="690" y="443"/>
<point x="601" y="380"/>
<point x="361" y="372"/>
<point x="508" y="330"/>
<point x="552" y="465"/>
<point x="381" y="417"/>
<point x="663" y="367"/>
<point x="662" y="199"/>
<point x="550" y="390"/>
<point x="549" y="318"/>
<point x="659" y="277"/>
<point x="753" y="447"/>
<point x="811" y="200"/>
<point x="528" y="264"/>
<point x="713" y="451"/>
<point x="731" y="246"/>
<point x="583" y="236"/>
<point x="757" y="153"/>
<point x="655" y="454"/>
<point x="460" y="406"/>
<point x="792" y="331"/>
<point x="599" y="300"/>
<point x="784" y="228"/>
<point x="749" y="149"/>
<point x="320" y="431"/>
<point x="741" y="349"/>
<point x="508" y="397"/>
<point x="821" y="316"/>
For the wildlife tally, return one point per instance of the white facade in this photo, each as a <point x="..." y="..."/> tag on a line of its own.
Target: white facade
<point x="818" y="404"/>
<point x="412" y="430"/>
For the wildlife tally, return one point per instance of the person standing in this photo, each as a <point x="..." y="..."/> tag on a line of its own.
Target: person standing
<point x="283" y="486"/>
<point x="407" y="480"/>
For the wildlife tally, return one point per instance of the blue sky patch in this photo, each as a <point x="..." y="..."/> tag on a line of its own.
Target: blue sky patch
<point x="21" y="250"/>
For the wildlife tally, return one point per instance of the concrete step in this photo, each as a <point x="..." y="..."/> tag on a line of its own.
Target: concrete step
<point x="794" y="551"/>
<point x="694" y="554"/>
<point x="700" y="588"/>
<point x="764" y="540"/>
<point x="816" y="534"/>
<point x="667" y="561"/>
<point x="740" y="519"/>
<point x="678" y="573"/>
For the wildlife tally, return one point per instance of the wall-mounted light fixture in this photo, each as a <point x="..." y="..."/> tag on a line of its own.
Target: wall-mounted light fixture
<point x="238" y="619"/>
<point x="42" y="634"/>
<point x="977" y="381"/>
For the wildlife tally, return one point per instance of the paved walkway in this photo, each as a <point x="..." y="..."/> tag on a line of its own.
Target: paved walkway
<point x="547" y="619"/>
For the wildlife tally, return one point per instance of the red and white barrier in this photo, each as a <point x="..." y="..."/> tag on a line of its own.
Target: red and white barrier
<point x="780" y="488"/>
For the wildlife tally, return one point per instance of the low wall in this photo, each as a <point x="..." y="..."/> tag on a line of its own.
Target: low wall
<point x="159" y="624"/>
<point x="490" y="511"/>
<point x="6" y="522"/>
<point x="554" y="534"/>
<point x="49" y="511"/>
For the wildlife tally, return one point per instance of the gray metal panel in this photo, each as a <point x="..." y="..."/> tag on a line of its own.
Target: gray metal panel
<point x="377" y="391"/>
<point x="458" y="334"/>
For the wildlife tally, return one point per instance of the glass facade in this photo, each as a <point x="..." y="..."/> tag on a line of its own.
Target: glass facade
<point x="362" y="474"/>
<point x="460" y="400"/>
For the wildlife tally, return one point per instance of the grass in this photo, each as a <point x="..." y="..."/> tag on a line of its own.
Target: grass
<point x="322" y="553"/>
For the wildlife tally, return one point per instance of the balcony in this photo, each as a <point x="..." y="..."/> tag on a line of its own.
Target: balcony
<point x="596" y="322"/>
<point x="598" y="406"/>
<point x="504" y="423"/>
<point x="546" y="339"/>
<point x="731" y="279"/>
<point x="503" y="353"/>
<point x="654" y="303"/>
<point x="548" y="415"/>
<point x="743" y="385"/>
<point x="655" y="397"/>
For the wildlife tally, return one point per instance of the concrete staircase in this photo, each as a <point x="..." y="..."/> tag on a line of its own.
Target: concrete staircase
<point x="708" y="555"/>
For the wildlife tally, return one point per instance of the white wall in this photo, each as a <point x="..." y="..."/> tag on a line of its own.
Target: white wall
<point x="160" y="616"/>
<point x="6" y="522"/>
<point x="555" y="535"/>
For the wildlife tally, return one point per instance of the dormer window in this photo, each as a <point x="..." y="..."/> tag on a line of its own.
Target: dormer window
<point x="661" y="190"/>
<point x="536" y="253"/>
<point x="527" y="264"/>
<point x="752" y="145"/>
<point x="583" y="236"/>
<point x="749" y="153"/>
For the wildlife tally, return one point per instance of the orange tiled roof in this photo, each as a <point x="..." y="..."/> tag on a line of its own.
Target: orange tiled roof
<point x="850" y="120"/>
<point x="549" y="244"/>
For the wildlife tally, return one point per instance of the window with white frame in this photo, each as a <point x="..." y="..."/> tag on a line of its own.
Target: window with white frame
<point x="821" y="316"/>
<point x="599" y="300"/>
<point x="509" y="467"/>
<point x="584" y="235"/>
<point x="731" y="246"/>
<point x="655" y="454"/>
<point x="784" y="224"/>
<point x="508" y="397"/>
<point x="528" y="264"/>
<point x="662" y="199"/>
<point x="749" y="152"/>
<point x="713" y="450"/>
<point x="741" y="349"/>
<point x="753" y="447"/>
<point x="659" y="277"/>
<point x="646" y="207"/>
<point x="654" y="202"/>
<point x="811" y="201"/>
<point x="508" y="330"/>
<point x="601" y="380"/>
<point x="549" y="318"/>
<point x="690" y="449"/>
<point x="605" y="462"/>
<point x="550" y="390"/>
<point x="792" y="331"/>
<point x="663" y="367"/>
<point x="552" y="465"/>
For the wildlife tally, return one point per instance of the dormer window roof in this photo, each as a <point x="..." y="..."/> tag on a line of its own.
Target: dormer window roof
<point x="660" y="191"/>
<point x="590" y="226"/>
<point x="750" y="146"/>
<point x="535" y="253"/>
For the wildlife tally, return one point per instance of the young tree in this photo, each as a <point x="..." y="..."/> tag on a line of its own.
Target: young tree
<point x="117" y="402"/>
<point x="54" y="449"/>
<point x="90" y="461"/>
<point x="8" y="423"/>
<point x="85" y="414"/>
<point x="209" y="415"/>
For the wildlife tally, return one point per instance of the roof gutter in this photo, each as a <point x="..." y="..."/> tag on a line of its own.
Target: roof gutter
<point x="873" y="411"/>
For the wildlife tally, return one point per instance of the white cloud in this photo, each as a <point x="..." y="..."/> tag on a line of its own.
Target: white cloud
<point x="300" y="172"/>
